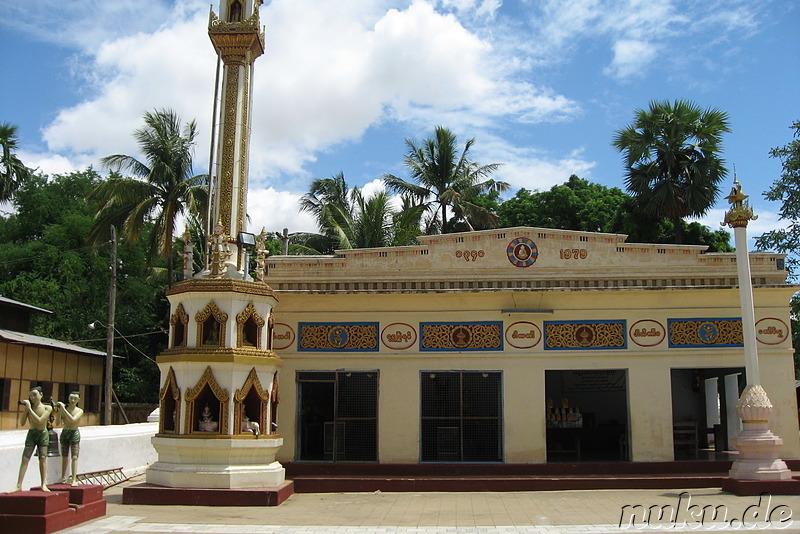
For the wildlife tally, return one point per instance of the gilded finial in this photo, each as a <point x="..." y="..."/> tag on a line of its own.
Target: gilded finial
<point x="740" y="212"/>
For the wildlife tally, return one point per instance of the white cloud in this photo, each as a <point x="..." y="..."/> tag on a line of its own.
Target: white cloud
<point x="331" y="71"/>
<point x="276" y="210"/>
<point x="631" y="57"/>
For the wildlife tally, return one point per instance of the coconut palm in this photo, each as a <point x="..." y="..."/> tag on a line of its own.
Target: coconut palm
<point x="162" y="186"/>
<point x="672" y="159"/>
<point x="444" y="178"/>
<point x="12" y="172"/>
<point x="347" y="219"/>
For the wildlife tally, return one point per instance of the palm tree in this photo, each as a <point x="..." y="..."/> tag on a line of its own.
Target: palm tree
<point x="347" y="220"/>
<point x="163" y="186"/>
<point x="12" y="172"/>
<point x="444" y="177"/>
<point x="672" y="159"/>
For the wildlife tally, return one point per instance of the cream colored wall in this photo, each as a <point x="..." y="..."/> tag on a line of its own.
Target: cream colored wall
<point x="648" y="379"/>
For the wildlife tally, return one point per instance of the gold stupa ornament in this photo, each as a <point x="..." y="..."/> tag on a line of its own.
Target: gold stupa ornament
<point x="740" y="212"/>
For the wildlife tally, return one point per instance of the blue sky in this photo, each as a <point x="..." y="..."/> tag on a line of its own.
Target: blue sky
<point x="540" y="84"/>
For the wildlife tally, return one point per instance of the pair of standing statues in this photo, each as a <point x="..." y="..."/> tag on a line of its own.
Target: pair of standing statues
<point x="37" y="415"/>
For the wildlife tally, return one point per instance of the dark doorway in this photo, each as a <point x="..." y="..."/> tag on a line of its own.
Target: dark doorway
<point x="461" y="416"/>
<point x="337" y="418"/>
<point x="587" y="415"/>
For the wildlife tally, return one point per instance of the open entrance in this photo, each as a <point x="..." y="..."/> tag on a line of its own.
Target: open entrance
<point x="587" y="415"/>
<point x="462" y="417"/>
<point x="704" y="417"/>
<point x="338" y="416"/>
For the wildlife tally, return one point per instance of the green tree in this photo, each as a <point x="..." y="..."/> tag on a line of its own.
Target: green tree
<point x="672" y="159"/>
<point x="579" y="204"/>
<point x="786" y="190"/>
<point x="347" y="220"/>
<point x="163" y="188"/>
<point x="44" y="261"/>
<point x="444" y="177"/>
<point x="12" y="171"/>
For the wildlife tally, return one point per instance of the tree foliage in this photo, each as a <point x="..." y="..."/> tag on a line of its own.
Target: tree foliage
<point x="786" y="190"/>
<point x="13" y="173"/>
<point x="347" y="219"/>
<point x="672" y="162"/>
<point x="582" y="205"/>
<point x="45" y="262"/>
<point x="163" y="188"/>
<point x="443" y="178"/>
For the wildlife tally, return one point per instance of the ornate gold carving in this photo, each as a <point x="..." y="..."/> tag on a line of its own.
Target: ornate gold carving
<point x="227" y="158"/>
<point x="705" y="332"/>
<point x="220" y="251"/>
<point x="461" y="336"/>
<point x="222" y="285"/>
<point x="275" y="399"/>
<point x="251" y="381"/>
<point x="597" y="335"/>
<point x="202" y="316"/>
<point x="220" y="394"/>
<point x="179" y="317"/>
<point x="244" y="151"/>
<point x="261" y="257"/>
<point x="241" y="320"/>
<point x="335" y="337"/>
<point x="740" y="212"/>
<point x="170" y="388"/>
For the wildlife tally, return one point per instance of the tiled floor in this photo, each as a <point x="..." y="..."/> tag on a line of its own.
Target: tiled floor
<point x="552" y="512"/>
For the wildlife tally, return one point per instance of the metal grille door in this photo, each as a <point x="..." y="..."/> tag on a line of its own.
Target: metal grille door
<point x="461" y="416"/>
<point x="338" y="416"/>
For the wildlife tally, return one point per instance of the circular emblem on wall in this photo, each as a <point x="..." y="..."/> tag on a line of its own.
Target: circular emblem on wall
<point x="523" y="335"/>
<point x="398" y="336"/>
<point x="522" y="252"/>
<point x="647" y="333"/>
<point x="282" y="336"/>
<point x="460" y="337"/>
<point x="707" y="333"/>
<point x="771" y="331"/>
<point x="338" y="337"/>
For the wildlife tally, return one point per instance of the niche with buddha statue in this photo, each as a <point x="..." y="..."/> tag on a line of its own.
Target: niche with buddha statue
<point x="207" y="403"/>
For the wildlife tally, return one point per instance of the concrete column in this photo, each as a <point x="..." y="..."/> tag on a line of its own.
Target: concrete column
<point x="651" y="415"/>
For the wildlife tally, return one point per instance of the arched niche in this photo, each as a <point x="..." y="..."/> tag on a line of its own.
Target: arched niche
<point x="169" y="405"/>
<point x="250" y="327"/>
<point x="180" y="326"/>
<point x="207" y="392"/>
<point x="274" y="400"/>
<point x="211" y="326"/>
<point x="235" y="11"/>
<point x="251" y="400"/>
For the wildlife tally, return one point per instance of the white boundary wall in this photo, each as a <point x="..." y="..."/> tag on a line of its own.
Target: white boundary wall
<point x="102" y="447"/>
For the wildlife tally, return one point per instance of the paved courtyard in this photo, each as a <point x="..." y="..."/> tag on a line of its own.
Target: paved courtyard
<point x="549" y="512"/>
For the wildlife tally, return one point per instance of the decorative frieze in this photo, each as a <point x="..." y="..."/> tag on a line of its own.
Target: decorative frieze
<point x="721" y="332"/>
<point x="465" y="336"/>
<point x="582" y="335"/>
<point x="338" y="337"/>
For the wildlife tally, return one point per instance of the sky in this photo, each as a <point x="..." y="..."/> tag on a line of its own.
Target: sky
<point x="541" y="85"/>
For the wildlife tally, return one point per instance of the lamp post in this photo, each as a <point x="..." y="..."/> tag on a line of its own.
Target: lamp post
<point x="758" y="447"/>
<point x="112" y="306"/>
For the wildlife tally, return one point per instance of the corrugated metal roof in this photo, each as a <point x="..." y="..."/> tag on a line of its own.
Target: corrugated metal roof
<point x="29" y="339"/>
<point x="19" y="304"/>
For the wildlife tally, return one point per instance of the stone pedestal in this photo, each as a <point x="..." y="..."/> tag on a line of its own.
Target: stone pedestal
<point x="216" y="463"/>
<point x="758" y="447"/>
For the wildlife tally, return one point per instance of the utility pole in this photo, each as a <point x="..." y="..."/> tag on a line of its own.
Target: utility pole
<point x="112" y="308"/>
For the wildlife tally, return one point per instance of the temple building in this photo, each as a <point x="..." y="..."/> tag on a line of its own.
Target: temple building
<point x="523" y="345"/>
